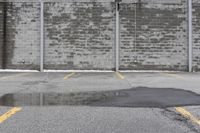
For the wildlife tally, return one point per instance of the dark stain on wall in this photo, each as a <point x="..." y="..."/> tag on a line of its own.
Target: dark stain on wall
<point x="4" y="55"/>
<point x="11" y="18"/>
<point x="1" y="32"/>
<point x="139" y="5"/>
<point x="21" y="44"/>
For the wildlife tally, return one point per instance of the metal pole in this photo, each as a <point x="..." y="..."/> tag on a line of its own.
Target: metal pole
<point x="190" y="38"/>
<point x="41" y="36"/>
<point x="117" y="38"/>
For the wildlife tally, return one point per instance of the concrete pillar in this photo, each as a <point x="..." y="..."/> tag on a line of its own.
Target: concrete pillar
<point x="117" y="35"/>
<point x="190" y="38"/>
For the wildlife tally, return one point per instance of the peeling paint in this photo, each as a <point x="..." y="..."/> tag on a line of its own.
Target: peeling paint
<point x="196" y="35"/>
<point x="82" y="33"/>
<point x="150" y="35"/>
<point x="22" y="36"/>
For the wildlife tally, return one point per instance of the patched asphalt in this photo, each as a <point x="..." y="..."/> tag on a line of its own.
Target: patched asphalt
<point x="96" y="102"/>
<point x="134" y="97"/>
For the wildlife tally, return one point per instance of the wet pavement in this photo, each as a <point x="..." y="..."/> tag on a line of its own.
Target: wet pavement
<point x="134" y="97"/>
<point x="99" y="102"/>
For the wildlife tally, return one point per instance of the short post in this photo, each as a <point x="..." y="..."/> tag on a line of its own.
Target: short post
<point x="41" y="99"/>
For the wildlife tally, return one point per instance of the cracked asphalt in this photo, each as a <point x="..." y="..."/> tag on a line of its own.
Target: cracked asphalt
<point x="95" y="119"/>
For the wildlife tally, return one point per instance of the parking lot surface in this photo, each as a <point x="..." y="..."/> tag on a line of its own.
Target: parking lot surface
<point x="112" y="102"/>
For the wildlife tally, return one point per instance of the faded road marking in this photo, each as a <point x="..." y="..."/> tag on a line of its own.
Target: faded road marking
<point x="9" y="113"/>
<point x="14" y="76"/>
<point x="68" y="76"/>
<point x="119" y="75"/>
<point x="173" y="75"/>
<point x="187" y="115"/>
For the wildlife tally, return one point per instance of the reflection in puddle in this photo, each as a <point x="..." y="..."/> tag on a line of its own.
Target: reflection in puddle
<point x="135" y="97"/>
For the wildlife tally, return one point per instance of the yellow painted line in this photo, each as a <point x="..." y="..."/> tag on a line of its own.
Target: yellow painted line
<point x="173" y="75"/>
<point x="68" y="76"/>
<point x="187" y="115"/>
<point x="14" y="76"/>
<point x="9" y="114"/>
<point x="119" y="75"/>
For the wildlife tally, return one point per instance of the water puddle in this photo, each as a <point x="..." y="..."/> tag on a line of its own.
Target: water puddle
<point x="134" y="97"/>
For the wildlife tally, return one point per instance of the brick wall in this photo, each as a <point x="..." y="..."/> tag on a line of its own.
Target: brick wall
<point x="196" y="35"/>
<point x="1" y="32"/>
<point x="22" y="36"/>
<point x="79" y="35"/>
<point x="158" y="41"/>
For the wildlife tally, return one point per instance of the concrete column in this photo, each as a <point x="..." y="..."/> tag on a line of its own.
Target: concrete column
<point x="190" y="38"/>
<point x="117" y="37"/>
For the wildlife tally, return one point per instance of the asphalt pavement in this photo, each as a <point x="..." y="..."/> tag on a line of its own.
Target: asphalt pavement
<point x="161" y="102"/>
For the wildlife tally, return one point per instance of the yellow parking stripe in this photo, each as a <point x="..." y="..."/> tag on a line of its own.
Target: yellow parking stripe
<point x="173" y="75"/>
<point x="187" y="115"/>
<point x="9" y="113"/>
<point x="119" y="75"/>
<point x="14" y="76"/>
<point x="68" y="76"/>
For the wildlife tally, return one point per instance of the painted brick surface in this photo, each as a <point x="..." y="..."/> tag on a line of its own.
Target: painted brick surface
<point x="154" y="35"/>
<point x="1" y="32"/>
<point x="79" y="36"/>
<point x="196" y="35"/>
<point x="22" y="36"/>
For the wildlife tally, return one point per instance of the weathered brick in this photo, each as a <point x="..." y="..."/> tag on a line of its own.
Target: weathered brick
<point x="80" y="34"/>
<point x="150" y="32"/>
<point x="22" y="36"/>
<point x="1" y="33"/>
<point x="196" y="35"/>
